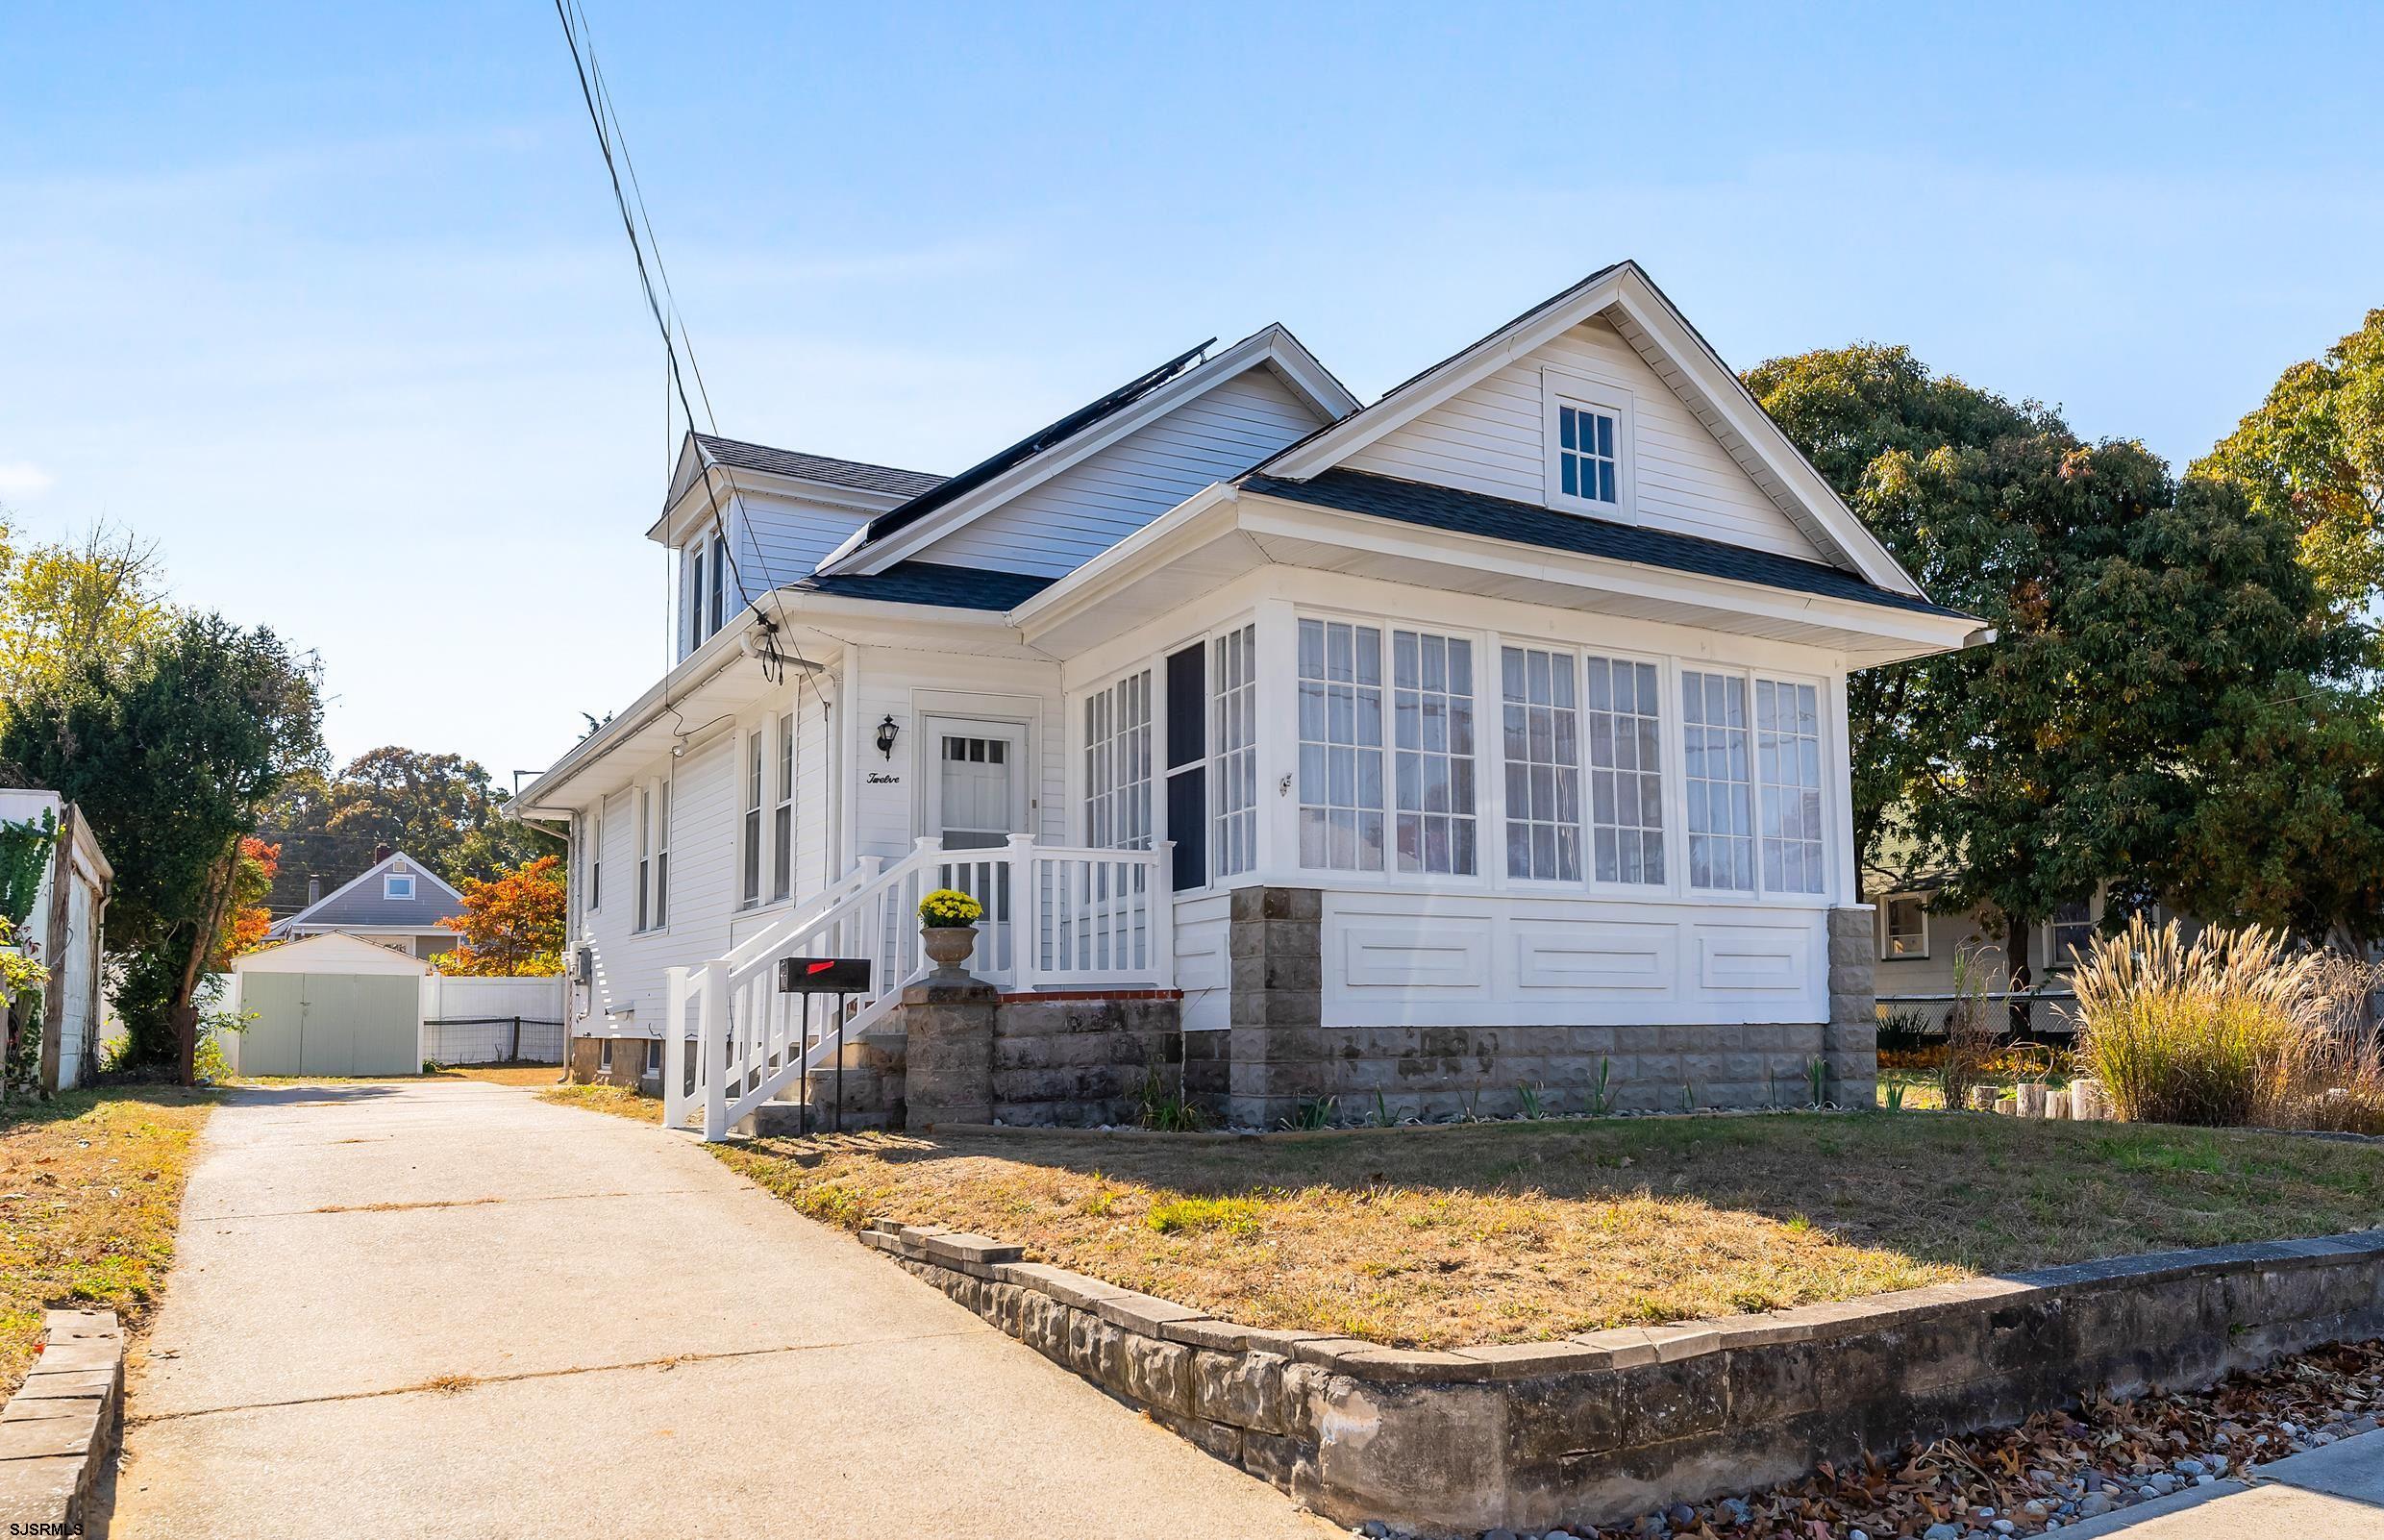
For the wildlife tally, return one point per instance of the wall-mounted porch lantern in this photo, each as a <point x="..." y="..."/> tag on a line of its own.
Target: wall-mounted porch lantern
<point x="887" y="732"/>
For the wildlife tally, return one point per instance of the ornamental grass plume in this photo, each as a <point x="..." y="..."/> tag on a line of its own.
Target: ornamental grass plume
<point x="2227" y="1031"/>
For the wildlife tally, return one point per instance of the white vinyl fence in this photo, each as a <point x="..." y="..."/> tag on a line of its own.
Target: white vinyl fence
<point x="492" y="1021"/>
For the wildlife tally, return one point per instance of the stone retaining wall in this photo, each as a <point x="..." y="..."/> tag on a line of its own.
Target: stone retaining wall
<point x="975" y="1056"/>
<point x="63" y="1425"/>
<point x="1599" y="1428"/>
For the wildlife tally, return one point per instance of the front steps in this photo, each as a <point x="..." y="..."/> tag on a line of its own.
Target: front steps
<point x="872" y="1087"/>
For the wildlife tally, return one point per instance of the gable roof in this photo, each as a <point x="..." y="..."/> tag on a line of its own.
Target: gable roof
<point x="359" y="900"/>
<point x="1681" y="356"/>
<point x="1497" y="518"/>
<point x="858" y="475"/>
<point x="900" y="533"/>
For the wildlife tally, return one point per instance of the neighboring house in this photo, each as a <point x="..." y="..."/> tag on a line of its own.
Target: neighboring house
<point x="1917" y="945"/>
<point x="67" y="933"/>
<point x="396" y="903"/>
<point x="1514" y="700"/>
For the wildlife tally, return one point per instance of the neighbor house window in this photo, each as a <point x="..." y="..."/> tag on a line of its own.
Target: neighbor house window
<point x="1717" y="775"/>
<point x="1117" y="765"/>
<point x="1625" y="772"/>
<point x="398" y="885"/>
<point x="1432" y="737"/>
<point x="1543" y="755"/>
<point x="2071" y="934"/>
<point x="782" y="817"/>
<point x="750" y="825"/>
<point x="1233" y="709"/>
<point x="1906" y="923"/>
<point x="1340" y="746"/>
<point x="1788" y="765"/>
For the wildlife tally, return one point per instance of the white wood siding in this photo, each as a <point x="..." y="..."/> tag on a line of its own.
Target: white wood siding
<point x="1492" y="438"/>
<point x="1059" y="525"/>
<point x="911" y="685"/>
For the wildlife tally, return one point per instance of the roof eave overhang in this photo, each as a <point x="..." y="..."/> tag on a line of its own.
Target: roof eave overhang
<point x="692" y="503"/>
<point x="1224" y="532"/>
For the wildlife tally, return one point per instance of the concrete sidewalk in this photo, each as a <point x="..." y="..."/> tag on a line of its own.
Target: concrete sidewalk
<point x="447" y="1308"/>
<point x="2335" y="1493"/>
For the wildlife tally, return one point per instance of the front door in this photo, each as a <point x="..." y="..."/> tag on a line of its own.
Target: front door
<point x="977" y="800"/>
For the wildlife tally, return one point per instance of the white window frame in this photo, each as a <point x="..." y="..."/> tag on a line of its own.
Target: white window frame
<point x="1321" y="751"/>
<point x="782" y="814"/>
<point x="692" y="563"/>
<point x="661" y="856"/>
<point x="1224" y="701"/>
<point x="2047" y="928"/>
<point x="1472" y="756"/>
<point x="1558" y="389"/>
<point x="753" y="791"/>
<point x="1824" y="711"/>
<point x="388" y="886"/>
<point x="1116" y="806"/>
<point x="1888" y="951"/>
<point x="596" y="860"/>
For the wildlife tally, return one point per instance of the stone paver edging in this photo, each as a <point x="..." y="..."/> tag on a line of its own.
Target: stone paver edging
<point x="63" y="1425"/>
<point x="1598" y="1428"/>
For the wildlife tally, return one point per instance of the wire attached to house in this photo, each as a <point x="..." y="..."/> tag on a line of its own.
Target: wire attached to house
<point x="606" y="121"/>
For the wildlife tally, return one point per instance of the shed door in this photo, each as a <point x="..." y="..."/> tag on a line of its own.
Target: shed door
<point x="332" y="1024"/>
<point x="276" y="1004"/>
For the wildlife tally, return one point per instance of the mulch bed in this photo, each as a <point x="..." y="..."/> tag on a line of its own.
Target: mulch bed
<point x="2061" y="1467"/>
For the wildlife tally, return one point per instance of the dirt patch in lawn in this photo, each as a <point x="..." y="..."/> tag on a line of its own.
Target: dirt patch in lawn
<point x="1520" y="1232"/>
<point x="618" y="1099"/>
<point x="90" y="1184"/>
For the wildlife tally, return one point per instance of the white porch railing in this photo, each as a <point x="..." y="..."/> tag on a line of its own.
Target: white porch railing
<point x="1055" y="917"/>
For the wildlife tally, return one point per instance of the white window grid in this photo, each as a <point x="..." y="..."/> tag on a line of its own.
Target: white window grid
<point x="1233" y="752"/>
<point x="1540" y="725"/>
<point x="749" y="843"/>
<point x="1788" y="767"/>
<point x="1432" y="760"/>
<point x="1624" y="711"/>
<point x="782" y="815"/>
<point x="662" y="857"/>
<point x="1118" y="765"/>
<point x="1717" y="776"/>
<point x="1340" y="811"/>
<point x="1589" y="461"/>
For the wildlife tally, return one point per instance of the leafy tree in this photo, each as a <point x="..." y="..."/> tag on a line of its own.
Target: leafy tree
<point x="248" y="920"/>
<point x="511" y="923"/>
<point x="63" y="604"/>
<point x="172" y="752"/>
<point x="2146" y="633"/>
<point x="2312" y="457"/>
<point x="441" y="809"/>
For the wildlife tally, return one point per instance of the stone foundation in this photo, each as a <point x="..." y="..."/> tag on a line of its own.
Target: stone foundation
<point x="1599" y="1428"/>
<point x="1074" y="1060"/>
<point x="629" y="1062"/>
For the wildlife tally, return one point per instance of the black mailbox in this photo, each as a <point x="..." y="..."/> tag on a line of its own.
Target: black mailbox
<point x="822" y="975"/>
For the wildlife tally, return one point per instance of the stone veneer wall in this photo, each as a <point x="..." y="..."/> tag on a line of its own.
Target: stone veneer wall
<point x="974" y="1055"/>
<point x="1280" y="1054"/>
<point x="1599" y="1428"/>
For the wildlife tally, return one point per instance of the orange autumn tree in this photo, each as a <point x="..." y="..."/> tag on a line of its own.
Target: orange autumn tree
<point x="246" y="919"/>
<point x="511" y="923"/>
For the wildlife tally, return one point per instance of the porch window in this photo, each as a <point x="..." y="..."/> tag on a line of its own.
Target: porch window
<point x="1713" y="715"/>
<point x="1234" y="764"/>
<point x="1432" y="733"/>
<point x="749" y="846"/>
<point x="782" y="817"/>
<point x="1117" y="764"/>
<point x="1625" y="772"/>
<point x="1788" y="764"/>
<point x="1542" y="740"/>
<point x="1340" y="746"/>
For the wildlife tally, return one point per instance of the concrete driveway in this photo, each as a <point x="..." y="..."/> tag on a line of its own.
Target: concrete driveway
<point x="448" y="1308"/>
<point x="2335" y="1493"/>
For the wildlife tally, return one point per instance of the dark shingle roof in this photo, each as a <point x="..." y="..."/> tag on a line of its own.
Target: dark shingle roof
<point x="927" y="500"/>
<point x="931" y="582"/>
<point x="1444" y="508"/>
<point x="740" y="456"/>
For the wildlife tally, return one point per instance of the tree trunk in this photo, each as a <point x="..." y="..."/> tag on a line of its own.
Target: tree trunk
<point x="184" y="1012"/>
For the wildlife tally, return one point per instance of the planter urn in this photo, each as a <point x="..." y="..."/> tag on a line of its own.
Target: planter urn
<point x="948" y="947"/>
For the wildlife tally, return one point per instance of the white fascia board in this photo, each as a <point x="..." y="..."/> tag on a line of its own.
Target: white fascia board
<point x="1273" y="345"/>
<point x="693" y="505"/>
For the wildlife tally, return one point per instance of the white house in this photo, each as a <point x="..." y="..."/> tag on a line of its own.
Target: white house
<point x="396" y="903"/>
<point x="65" y="931"/>
<point x="1489" y="736"/>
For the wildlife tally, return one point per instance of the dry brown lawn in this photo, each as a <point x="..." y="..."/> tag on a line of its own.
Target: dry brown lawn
<point x="1515" y="1231"/>
<point x="617" y="1100"/>
<point x="90" y="1187"/>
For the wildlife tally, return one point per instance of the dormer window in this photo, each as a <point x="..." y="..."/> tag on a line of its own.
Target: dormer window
<point x="397" y="883"/>
<point x="1589" y="433"/>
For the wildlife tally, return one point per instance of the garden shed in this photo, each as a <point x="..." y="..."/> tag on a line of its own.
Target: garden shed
<point x="328" y="1005"/>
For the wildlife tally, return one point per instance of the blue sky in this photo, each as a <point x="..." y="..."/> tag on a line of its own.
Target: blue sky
<point x="333" y="304"/>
